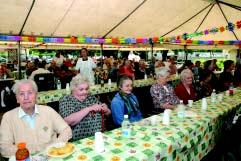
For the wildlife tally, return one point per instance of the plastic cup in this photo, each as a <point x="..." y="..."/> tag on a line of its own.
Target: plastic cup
<point x="109" y="82"/>
<point x="220" y="97"/>
<point x="190" y="102"/>
<point x="153" y="120"/>
<point x="99" y="142"/>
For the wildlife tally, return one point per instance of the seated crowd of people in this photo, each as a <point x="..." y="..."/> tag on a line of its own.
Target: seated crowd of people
<point x="81" y="114"/>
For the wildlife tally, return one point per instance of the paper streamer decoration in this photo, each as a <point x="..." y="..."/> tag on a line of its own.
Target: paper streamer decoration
<point x="180" y="39"/>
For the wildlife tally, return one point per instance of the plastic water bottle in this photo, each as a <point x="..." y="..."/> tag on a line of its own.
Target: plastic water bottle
<point x="126" y="128"/>
<point x="181" y="109"/>
<point x="231" y="89"/>
<point x="102" y="83"/>
<point x="213" y="96"/>
<point x="25" y="76"/>
<point x="109" y="82"/>
<point x="58" y="84"/>
<point x="176" y="75"/>
<point x="204" y="104"/>
<point x="22" y="153"/>
<point x="67" y="88"/>
<point x="145" y="76"/>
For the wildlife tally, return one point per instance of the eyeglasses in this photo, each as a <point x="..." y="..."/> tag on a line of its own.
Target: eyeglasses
<point x="24" y="93"/>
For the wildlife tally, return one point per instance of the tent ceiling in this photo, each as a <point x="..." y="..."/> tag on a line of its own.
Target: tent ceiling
<point x="155" y="18"/>
<point x="12" y="15"/>
<point x="97" y="17"/>
<point x="214" y="17"/>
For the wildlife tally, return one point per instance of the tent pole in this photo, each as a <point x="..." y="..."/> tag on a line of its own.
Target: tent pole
<point x="26" y="18"/>
<point x="231" y="5"/>
<point x="62" y="19"/>
<point x="238" y="57"/>
<point x="152" y="47"/>
<point x="19" y="61"/>
<point x="101" y="55"/>
<point x="185" y="51"/>
<point x="205" y="17"/>
<point x="113" y="28"/>
<point x="226" y="18"/>
<point x="186" y="20"/>
<point x="19" y="46"/>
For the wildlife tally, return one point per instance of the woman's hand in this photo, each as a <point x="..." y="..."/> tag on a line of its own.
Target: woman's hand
<point x="167" y="105"/>
<point x="100" y="107"/>
<point x="105" y="109"/>
<point x="95" y="108"/>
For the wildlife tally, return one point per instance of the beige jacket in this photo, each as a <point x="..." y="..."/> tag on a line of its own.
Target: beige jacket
<point x="48" y="125"/>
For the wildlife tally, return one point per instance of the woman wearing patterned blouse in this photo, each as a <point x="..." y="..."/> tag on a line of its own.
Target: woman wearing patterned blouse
<point x="162" y="93"/>
<point x="82" y="111"/>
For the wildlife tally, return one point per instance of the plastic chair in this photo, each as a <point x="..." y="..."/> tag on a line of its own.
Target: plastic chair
<point x="7" y="97"/>
<point x="45" y="81"/>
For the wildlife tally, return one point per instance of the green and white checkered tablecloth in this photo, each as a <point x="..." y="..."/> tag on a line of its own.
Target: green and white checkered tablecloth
<point x="185" y="139"/>
<point x="54" y="95"/>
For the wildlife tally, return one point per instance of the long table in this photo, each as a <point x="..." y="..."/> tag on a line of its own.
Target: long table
<point x="184" y="139"/>
<point x="54" y="95"/>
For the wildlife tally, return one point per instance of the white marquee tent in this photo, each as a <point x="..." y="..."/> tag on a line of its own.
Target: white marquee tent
<point x="118" y="18"/>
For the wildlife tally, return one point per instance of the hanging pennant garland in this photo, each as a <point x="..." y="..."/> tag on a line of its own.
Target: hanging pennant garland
<point x="230" y="27"/>
<point x="88" y="40"/>
<point x="180" y="39"/>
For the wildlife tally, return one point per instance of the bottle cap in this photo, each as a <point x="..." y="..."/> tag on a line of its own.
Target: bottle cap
<point x="22" y="145"/>
<point x="126" y="116"/>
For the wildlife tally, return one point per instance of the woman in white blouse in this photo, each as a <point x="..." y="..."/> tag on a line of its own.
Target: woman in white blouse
<point x="85" y="65"/>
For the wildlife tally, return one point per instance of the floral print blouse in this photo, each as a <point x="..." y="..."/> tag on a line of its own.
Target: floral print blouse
<point x="162" y="94"/>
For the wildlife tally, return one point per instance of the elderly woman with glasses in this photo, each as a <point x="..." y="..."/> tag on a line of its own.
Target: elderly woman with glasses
<point x="162" y="93"/>
<point x="83" y="112"/>
<point x="185" y="90"/>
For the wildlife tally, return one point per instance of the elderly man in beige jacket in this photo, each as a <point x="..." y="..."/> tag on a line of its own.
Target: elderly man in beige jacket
<point x="37" y="125"/>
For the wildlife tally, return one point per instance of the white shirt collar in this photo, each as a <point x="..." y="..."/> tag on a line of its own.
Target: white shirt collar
<point x="21" y="112"/>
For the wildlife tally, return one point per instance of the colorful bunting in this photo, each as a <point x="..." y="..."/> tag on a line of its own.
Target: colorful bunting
<point x="115" y="40"/>
<point x="108" y="40"/>
<point x="222" y="29"/>
<point x="88" y="40"/>
<point x="180" y="39"/>
<point x="101" y="41"/>
<point x="81" y="40"/>
<point x="230" y="26"/>
<point x="155" y="39"/>
<point x="73" y="40"/>
<point x="238" y="24"/>
<point x="128" y="41"/>
<point x="122" y="40"/>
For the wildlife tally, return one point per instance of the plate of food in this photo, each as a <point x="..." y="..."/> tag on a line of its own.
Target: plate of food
<point x="60" y="150"/>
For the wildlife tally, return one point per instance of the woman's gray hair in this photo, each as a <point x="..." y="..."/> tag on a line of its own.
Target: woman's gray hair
<point x="122" y="79"/>
<point x="186" y="73"/>
<point x="77" y="80"/>
<point x="16" y="86"/>
<point x="162" y="72"/>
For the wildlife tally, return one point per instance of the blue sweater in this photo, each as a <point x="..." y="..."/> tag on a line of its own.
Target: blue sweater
<point x="118" y="110"/>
